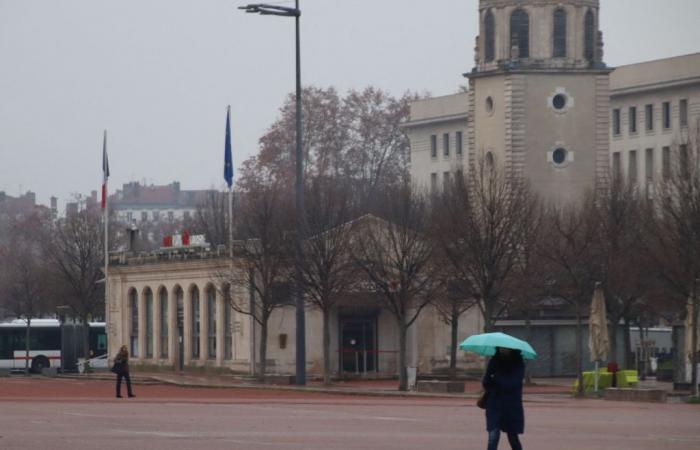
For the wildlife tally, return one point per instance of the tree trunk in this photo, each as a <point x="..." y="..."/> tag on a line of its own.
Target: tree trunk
<point x="529" y="335"/>
<point x="263" y="347"/>
<point x="27" y="346"/>
<point x="488" y="316"/>
<point x="86" y="338"/>
<point x="403" y="374"/>
<point x="628" y="345"/>
<point x="326" y="347"/>
<point x="642" y="353"/>
<point x="453" y="347"/>
<point x="579" y="352"/>
<point x="612" y="332"/>
<point x="694" y="343"/>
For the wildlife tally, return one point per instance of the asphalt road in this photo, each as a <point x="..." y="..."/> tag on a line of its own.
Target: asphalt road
<point x="37" y="414"/>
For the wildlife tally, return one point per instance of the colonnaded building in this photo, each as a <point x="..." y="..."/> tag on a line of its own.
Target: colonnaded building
<point x="541" y="102"/>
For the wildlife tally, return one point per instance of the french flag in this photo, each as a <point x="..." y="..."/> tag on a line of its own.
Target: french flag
<point x="105" y="171"/>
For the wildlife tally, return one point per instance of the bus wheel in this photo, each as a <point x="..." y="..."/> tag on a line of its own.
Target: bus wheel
<point x="40" y="362"/>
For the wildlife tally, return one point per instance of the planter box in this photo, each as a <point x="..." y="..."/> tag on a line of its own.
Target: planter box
<point x="282" y="380"/>
<point x="49" y="372"/>
<point x="444" y="387"/>
<point x="635" y="395"/>
<point x="664" y="375"/>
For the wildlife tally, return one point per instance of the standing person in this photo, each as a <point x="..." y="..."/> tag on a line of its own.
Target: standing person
<point x="503" y="384"/>
<point x="121" y="368"/>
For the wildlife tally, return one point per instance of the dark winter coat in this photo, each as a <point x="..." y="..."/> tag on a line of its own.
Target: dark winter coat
<point x="121" y="363"/>
<point x="504" y="383"/>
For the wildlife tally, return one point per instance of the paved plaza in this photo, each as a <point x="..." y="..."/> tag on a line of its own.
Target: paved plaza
<point x="68" y="414"/>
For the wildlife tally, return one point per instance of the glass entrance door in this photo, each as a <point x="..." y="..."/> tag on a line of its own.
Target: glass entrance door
<point x="358" y="352"/>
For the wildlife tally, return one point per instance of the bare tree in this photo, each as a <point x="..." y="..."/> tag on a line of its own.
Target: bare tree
<point x="23" y="277"/>
<point x="673" y="222"/>
<point x="262" y="260"/>
<point x="570" y="252"/>
<point x="486" y="222"/>
<point x="75" y="251"/>
<point x="625" y="270"/>
<point x="398" y="260"/>
<point x="212" y="219"/>
<point x="328" y="272"/>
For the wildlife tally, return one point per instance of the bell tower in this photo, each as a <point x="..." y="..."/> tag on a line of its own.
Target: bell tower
<point x="539" y="94"/>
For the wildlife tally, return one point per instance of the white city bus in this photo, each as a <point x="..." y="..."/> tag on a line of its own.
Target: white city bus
<point x="45" y="343"/>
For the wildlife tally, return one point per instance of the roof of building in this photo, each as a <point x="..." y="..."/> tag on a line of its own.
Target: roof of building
<point x="135" y="195"/>
<point x="424" y="112"/>
<point x="656" y="74"/>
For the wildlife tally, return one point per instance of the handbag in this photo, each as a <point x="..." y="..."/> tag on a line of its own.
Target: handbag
<point x="481" y="402"/>
<point x="116" y="367"/>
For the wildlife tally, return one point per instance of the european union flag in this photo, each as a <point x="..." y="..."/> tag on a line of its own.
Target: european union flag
<point x="228" y="163"/>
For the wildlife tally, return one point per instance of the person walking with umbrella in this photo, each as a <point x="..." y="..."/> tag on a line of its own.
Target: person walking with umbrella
<point x="503" y="384"/>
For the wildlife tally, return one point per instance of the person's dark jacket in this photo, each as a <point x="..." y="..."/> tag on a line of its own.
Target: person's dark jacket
<point x="504" y="383"/>
<point x="121" y="363"/>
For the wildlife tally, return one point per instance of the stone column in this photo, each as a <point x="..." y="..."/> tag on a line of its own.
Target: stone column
<point x="142" y="325"/>
<point x="172" y="328"/>
<point x="156" y="326"/>
<point x="220" y="327"/>
<point x="187" y="326"/>
<point x="204" y="324"/>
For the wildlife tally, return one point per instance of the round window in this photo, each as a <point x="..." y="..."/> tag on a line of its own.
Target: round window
<point x="489" y="105"/>
<point x="559" y="156"/>
<point x="559" y="102"/>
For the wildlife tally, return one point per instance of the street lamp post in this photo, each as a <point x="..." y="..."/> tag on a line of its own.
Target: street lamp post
<point x="276" y="10"/>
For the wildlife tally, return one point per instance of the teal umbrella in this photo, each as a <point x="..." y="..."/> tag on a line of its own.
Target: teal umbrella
<point x="485" y="344"/>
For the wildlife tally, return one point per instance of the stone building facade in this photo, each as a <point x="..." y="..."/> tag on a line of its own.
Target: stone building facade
<point x="168" y="308"/>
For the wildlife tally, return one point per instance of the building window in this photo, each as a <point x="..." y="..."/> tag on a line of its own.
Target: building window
<point x="446" y="180"/>
<point x="490" y="36"/>
<point x="195" y="323"/>
<point x="632" y="169"/>
<point x="156" y="216"/>
<point x="433" y="146"/>
<point x="446" y="145"/>
<point x="649" y="117"/>
<point x="171" y="216"/>
<point x="228" y="326"/>
<point x="649" y="165"/>
<point x="433" y="182"/>
<point x="667" y="115"/>
<point x="144" y="216"/>
<point x="684" y="161"/>
<point x="129" y="217"/>
<point x="666" y="162"/>
<point x="520" y="33"/>
<point x="559" y="156"/>
<point x="186" y="215"/>
<point x="211" y="322"/>
<point x="616" y="122"/>
<point x="559" y="33"/>
<point x="134" y="320"/>
<point x="683" y="110"/>
<point x="616" y="166"/>
<point x="589" y="36"/>
<point x="163" y="298"/>
<point x="633" y="119"/>
<point x="149" y="323"/>
<point x="459" y="143"/>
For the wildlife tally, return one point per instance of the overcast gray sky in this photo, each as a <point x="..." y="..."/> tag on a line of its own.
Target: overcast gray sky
<point x="158" y="74"/>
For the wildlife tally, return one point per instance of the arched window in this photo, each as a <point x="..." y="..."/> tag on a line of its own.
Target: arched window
<point x="134" y="323"/>
<point x="195" y="322"/>
<point x="149" y="322"/>
<point x="163" y="297"/>
<point x="520" y="33"/>
<point x="211" y="322"/>
<point x="490" y="36"/>
<point x="589" y="36"/>
<point x="559" y="34"/>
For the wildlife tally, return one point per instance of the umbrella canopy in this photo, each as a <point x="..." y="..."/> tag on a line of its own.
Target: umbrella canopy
<point x="689" y="330"/>
<point x="485" y="344"/>
<point x="598" y="341"/>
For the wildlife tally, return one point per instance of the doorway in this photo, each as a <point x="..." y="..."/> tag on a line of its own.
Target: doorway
<point x="358" y="345"/>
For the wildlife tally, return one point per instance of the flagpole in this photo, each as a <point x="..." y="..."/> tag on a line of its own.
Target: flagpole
<point x="105" y="213"/>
